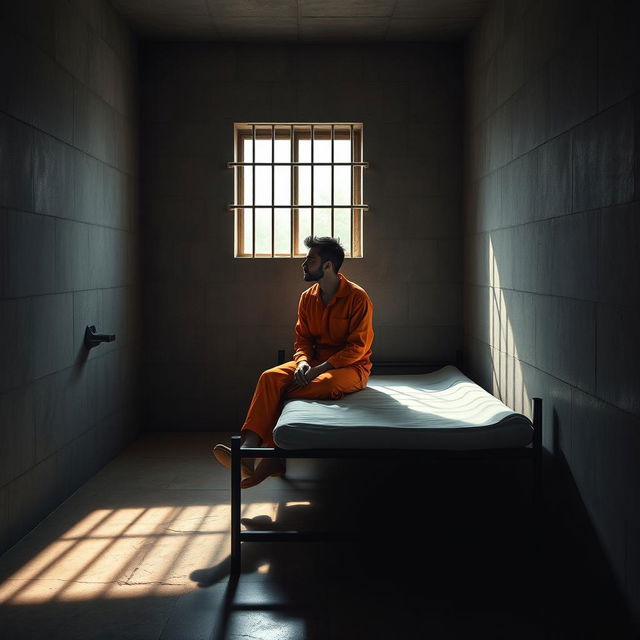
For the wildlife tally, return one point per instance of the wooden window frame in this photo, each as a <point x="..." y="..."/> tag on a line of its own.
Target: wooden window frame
<point x="295" y="132"/>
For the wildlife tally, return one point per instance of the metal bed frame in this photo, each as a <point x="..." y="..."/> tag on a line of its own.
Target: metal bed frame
<point x="532" y="452"/>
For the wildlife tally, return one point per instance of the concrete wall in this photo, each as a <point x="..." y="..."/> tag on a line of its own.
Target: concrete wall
<point x="68" y="241"/>
<point x="213" y="322"/>
<point x="552" y="228"/>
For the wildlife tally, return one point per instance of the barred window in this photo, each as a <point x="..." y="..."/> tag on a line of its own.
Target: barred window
<point x="287" y="188"/>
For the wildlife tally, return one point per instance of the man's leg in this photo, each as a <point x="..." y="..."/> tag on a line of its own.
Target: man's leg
<point x="265" y="405"/>
<point x="262" y="414"/>
<point x="332" y="385"/>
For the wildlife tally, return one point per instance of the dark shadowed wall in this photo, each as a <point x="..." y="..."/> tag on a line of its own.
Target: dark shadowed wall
<point x="552" y="228"/>
<point x="214" y="322"/>
<point x="68" y="249"/>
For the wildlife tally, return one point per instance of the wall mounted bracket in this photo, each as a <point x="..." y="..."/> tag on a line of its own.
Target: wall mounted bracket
<point x="93" y="339"/>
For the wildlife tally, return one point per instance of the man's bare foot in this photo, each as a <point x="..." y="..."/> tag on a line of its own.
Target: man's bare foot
<point x="222" y="454"/>
<point x="265" y="468"/>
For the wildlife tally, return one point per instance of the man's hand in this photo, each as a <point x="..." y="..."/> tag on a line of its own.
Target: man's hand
<point x="305" y="373"/>
<point x="301" y="374"/>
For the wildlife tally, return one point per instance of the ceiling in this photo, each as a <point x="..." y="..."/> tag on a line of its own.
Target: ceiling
<point x="302" y="20"/>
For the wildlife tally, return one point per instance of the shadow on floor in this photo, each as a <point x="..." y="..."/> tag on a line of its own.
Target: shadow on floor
<point x="441" y="551"/>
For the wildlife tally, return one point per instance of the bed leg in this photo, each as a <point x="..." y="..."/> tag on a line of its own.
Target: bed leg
<point x="235" y="506"/>
<point x="536" y="406"/>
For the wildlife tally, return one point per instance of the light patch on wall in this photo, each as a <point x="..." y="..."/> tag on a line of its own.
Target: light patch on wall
<point x="507" y="376"/>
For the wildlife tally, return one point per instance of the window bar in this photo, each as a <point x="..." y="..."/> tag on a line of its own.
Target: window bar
<point x="237" y="238"/>
<point x="231" y="165"/>
<point x="253" y="191"/>
<point x="333" y="137"/>
<point x="360" y="192"/>
<point x="312" y="179"/>
<point x="273" y="181"/>
<point x="301" y="206"/>
<point x="351" y="144"/>
<point x="291" y="186"/>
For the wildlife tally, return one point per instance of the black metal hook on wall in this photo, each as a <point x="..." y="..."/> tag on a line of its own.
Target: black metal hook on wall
<point x="93" y="339"/>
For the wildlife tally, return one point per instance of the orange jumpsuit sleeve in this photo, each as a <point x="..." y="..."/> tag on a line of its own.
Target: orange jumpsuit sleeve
<point x="304" y="341"/>
<point x="360" y="334"/>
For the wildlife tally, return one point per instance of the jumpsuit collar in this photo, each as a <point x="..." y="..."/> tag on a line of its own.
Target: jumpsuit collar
<point x="341" y="291"/>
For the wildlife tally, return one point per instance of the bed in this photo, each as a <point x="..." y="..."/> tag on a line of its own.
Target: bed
<point x="440" y="414"/>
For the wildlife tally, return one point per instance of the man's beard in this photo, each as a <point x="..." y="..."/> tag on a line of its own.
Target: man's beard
<point x="313" y="276"/>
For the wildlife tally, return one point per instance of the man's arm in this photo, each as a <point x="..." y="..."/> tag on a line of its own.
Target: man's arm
<point x="360" y="335"/>
<point x="358" y="343"/>
<point x="303" y="344"/>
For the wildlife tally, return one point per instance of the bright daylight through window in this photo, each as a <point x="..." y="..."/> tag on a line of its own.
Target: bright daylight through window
<point x="287" y="188"/>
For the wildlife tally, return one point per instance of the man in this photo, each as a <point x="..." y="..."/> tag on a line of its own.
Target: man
<point x="332" y="354"/>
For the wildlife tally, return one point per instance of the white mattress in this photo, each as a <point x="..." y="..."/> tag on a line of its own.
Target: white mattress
<point x="439" y="410"/>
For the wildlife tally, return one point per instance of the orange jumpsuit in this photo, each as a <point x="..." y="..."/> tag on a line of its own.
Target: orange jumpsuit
<point x="340" y="333"/>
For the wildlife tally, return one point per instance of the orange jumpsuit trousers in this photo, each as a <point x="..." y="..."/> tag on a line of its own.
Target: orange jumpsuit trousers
<point x="276" y="385"/>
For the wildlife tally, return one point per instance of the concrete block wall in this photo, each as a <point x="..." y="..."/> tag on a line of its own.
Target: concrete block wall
<point x="215" y="322"/>
<point x="552" y="222"/>
<point x="68" y="250"/>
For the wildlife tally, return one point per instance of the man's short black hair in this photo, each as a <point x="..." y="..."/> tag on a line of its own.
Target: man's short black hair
<point x="328" y="248"/>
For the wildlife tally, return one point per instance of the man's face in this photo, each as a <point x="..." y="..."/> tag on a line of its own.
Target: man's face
<point x="312" y="266"/>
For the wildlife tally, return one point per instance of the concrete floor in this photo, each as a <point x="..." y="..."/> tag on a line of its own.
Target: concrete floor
<point x="141" y="552"/>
